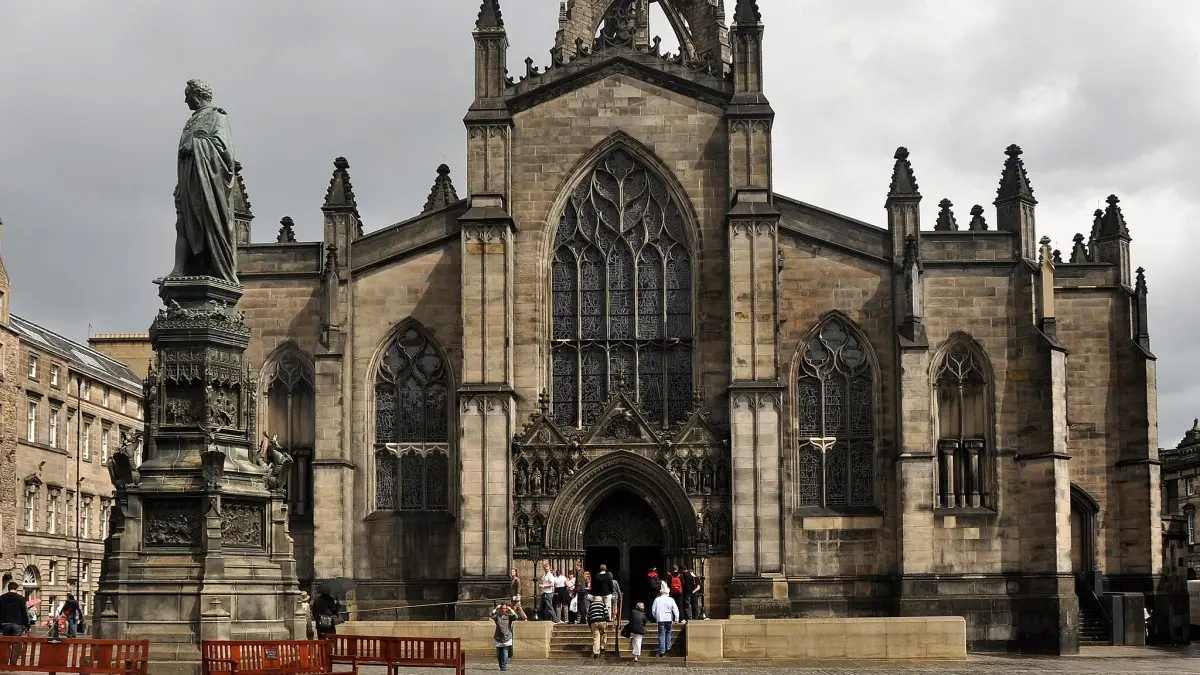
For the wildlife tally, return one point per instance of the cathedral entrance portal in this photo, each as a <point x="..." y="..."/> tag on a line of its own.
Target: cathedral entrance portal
<point x="624" y="533"/>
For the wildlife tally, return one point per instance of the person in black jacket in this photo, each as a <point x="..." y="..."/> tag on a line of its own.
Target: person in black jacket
<point x="689" y="587"/>
<point x="636" y="628"/>
<point x="325" y="611"/>
<point x="70" y="612"/>
<point x="602" y="588"/>
<point x="14" y="615"/>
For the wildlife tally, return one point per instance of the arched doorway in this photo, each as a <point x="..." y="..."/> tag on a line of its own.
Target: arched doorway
<point x="1084" y="513"/>
<point x="624" y="533"/>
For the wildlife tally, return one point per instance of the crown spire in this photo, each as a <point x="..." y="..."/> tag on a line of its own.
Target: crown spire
<point x="443" y="193"/>
<point x="746" y="13"/>
<point x="904" y="182"/>
<point x="240" y="199"/>
<point x="1079" y="252"/>
<point x="1014" y="182"/>
<point x="978" y="224"/>
<point x="340" y="194"/>
<point x="490" y="17"/>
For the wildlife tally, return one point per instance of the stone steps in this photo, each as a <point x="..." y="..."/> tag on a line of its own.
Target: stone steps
<point x="575" y="641"/>
<point x="1091" y="628"/>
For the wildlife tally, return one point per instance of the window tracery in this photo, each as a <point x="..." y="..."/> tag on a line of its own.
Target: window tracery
<point x="291" y="416"/>
<point x="621" y="297"/>
<point x="412" y="466"/>
<point x="963" y="403"/>
<point x="836" y="419"/>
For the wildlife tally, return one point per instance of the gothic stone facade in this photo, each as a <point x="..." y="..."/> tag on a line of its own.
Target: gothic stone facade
<point x="622" y="322"/>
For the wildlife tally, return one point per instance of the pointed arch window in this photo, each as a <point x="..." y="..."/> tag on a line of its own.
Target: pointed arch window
<point x="412" y="385"/>
<point x="964" y="401"/>
<point x="291" y="417"/>
<point x="836" y="412"/>
<point x="621" y="296"/>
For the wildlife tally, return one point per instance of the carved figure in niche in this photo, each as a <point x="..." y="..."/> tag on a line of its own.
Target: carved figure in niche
<point x="279" y="463"/>
<point x="677" y="471"/>
<point x="706" y="476"/>
<point x="552" y="480"/>
<point x="537" y="531"/>
<point x="521" y="532"/>
<point x="535" y="480"/>
<point x="721" y="482"/>
<point x="521" y="479"/>
<point x="691" y="478"/>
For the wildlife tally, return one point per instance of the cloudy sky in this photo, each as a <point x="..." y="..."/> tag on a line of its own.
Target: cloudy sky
<point x="1103" y="95"/>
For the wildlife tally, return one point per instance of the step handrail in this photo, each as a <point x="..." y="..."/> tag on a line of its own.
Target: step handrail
<point x="1086" y="594"/>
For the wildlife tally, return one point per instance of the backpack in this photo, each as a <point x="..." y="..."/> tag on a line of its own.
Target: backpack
<point x="676" y="584"/>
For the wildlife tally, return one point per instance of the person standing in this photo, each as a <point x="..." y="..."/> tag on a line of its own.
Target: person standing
<point x="637" y="629"/>
<point x="70" y="612"/>
<point x="14" y="615"/>
<point x="547" y="587"/>
<point x="675" y="584"/>
<point x="515" y="592"/>
<point x="503" y="616"/>
<point x="597" y="617"/>
<point x="689" y="587"/>
<point x="652" y="585"/>
<point x="325" y="610"/>
<point x="562" y="601"/>
<point x="585" y="596"/>
<point x="602" y="588"/>
<point x="665" y="613"/>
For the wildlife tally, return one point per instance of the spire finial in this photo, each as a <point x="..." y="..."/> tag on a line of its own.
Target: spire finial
<point x="341" y="192"/>
<point x="1140" y="284"/>
<point x="287" y="232"/>
<point x="1112" y="221"/>
<point x="1044" y="253"/>
<point x="1014" y="182"/>
<point x="544" y="402"/>
<point x="1079" y="252"/>
<point x="904" y="182"/>
<point x="746" y="13"/>
<point x="240" y="199"/>
<point x="945" y="220"/>
<point x="443" y="193"/>
<point x="489" y="17"/>
<point x="912" y="252"/>
<point x="978" y="223"/>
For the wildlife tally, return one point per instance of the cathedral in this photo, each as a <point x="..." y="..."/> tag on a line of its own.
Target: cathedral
<point x="622" y="346"/>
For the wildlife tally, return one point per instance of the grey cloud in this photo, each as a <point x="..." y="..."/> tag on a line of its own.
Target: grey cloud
<point x="1102" y="96"/>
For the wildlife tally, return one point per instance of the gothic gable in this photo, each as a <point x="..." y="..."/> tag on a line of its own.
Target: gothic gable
<point x="621" y="423"/>
<point x="541" y="431"/>
<point x="698" y="430"/>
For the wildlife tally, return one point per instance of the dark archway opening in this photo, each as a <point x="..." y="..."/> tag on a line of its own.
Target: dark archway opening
<point x="625" y="534"/>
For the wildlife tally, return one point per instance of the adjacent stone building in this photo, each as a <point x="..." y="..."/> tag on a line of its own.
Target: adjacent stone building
<point x="1181" y="493"/>
<point x="623" y="346"/>
<point x="55" y="491"/>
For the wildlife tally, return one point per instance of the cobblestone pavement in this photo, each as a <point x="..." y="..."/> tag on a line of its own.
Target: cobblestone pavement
<point x="1101" y="660"/>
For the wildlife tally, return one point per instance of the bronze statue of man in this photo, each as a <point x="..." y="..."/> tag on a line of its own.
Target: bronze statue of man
<point x="205" y="243"/>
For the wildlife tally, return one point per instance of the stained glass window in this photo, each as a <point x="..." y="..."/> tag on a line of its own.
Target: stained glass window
<point x="836" y="420"/>
<point x="963" y="447"/>
<point x="412" y="398"/>
<point x="621" y="296"/>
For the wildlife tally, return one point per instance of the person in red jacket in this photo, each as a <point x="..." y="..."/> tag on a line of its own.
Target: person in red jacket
<point x="653" y="586"/>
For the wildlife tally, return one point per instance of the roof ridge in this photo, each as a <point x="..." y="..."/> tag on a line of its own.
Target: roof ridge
<point x="91" y="352"/>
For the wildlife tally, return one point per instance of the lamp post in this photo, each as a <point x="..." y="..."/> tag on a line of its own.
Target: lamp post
<point x="702" y="551"/>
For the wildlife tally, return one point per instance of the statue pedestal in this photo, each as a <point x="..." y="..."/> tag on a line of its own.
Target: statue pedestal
<point x="199" y="547"/>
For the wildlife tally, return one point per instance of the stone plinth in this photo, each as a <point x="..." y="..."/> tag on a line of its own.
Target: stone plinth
<point x="199" y="546"/>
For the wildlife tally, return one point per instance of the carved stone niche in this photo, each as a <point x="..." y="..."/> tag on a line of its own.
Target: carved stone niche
<point x="243" y="523"/>
<point x="172" y="522"/>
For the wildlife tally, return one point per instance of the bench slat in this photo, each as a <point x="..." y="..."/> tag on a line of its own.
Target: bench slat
<point x="267" y="657"/>
<point x="398" y="651"/>
<point x="103" y="657"/>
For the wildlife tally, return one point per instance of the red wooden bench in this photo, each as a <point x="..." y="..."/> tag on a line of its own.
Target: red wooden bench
<point x="399" y="652"/>
<point x="42" y="655"/>
<point x="267" y="657"/>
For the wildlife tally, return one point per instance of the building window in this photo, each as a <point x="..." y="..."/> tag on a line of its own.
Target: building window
<point x="83" y="602"/>
<point x="104" y="433"/>
<point x="33" y="366"/>
<point x="70" y="525"/>
<point x="963" y="411"/>
<point x="621" y="289"/>
<point x="411" y="409"/>
<point x="1190" y="513"/>
<point x="137" y="453"/>
<point x="105" y="514"/>
<point x="86" y="387"/>
<point x="84" y="571"/>
<point x="124" y="403"/>
<point x="31" y="422"/>
<point x="836" y="412"/>
<point x="55" y="411"/>
<point x="54" y="374"/>
<point x="85" y="519"/>
<point x="30" y="508"/>
<point x="1190" y="486"/>
<point x="291" y="417"/>
<point x="52" y="572"/>
<point x="137" y="407"/>
<point x="104" y="398"/>
<point x="87" y="440"/>
<point x="52" y="513"/>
